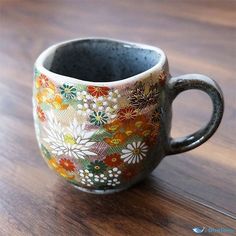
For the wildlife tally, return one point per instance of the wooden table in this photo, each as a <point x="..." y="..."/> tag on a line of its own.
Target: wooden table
<point x="197" y="188"/>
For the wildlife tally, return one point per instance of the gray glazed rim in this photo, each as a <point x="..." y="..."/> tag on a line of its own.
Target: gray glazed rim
<point x="39" y="64"/>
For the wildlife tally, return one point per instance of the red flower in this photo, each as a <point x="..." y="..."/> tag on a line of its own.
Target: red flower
<point x="43" y="81"/>
<point x="98" y="91"/>
<point x="40" y="114"/>
<point x="113" y="160"/>
<point x="127" y="113"/>
<point x="129" y="173"/>
<point x="67" y="164"/>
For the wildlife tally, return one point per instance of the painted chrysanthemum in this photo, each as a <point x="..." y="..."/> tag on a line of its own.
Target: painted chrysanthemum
<point x="98" y="118"/>
<point x="95" y="136"/>
<point x="43" y="81"/>
<point x="67" y="164"/>
<point x="96" y="91"/>
<point x="127" y="113"/>
<point x="97" y="167"/>
<point x="141" y="97"/>
<point x="68" y="91"/>
<point x="134" y="152"/>
<point x="113" y="160"/>
<point x="73" y="141"/>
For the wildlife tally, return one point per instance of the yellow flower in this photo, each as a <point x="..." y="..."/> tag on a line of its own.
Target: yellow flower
<point x="68" y="138"/>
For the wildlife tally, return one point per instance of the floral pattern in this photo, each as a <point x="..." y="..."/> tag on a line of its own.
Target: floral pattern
<point x="113" y="160"/>
<point x="68" y="91"/>
<point x="96" y="91"/>
<point x="97" y="167"/>
<point x="134" y="152"/>
<point x="95" y="136"/>
<point x="142" y="96"/>
<point x="98" y="118"/>
<point x="72" y="141"/>
<point x="127" y="113"/>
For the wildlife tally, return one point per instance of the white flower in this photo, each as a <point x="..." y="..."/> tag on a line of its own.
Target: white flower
<point x="113" y="177"/>
<point x="83" y="109"/>
<point x="83" y="96"/>
<point x="73" y="141"/>
<point x="101" y="178"/>
<point x="134" y="152"/>
<point x="86" y="177"/>
<point x="111" y="111"/>
<point x="113" y="96"/>
<point x="99" y="104"/>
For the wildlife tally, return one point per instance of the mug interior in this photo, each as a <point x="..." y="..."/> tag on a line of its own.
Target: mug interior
<point x="100" y="60"/>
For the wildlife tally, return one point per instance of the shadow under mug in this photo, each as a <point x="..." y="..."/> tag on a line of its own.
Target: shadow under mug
<point x="102" y="111"/>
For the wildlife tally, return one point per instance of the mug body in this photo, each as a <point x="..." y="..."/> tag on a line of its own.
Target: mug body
<point x="101" y="113"/>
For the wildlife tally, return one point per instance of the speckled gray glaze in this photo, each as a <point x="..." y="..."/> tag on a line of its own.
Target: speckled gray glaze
<point x="99" y="61"/>
<point x="139" y="77"/>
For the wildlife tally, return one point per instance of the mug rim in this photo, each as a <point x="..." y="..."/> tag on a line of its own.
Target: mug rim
<point x="65" y="79"/>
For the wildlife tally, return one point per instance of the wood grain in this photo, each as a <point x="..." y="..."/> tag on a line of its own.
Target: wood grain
<point x="197" y="188"/>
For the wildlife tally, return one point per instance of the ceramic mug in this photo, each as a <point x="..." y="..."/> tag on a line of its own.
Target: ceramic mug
<point x="102" y="111"/>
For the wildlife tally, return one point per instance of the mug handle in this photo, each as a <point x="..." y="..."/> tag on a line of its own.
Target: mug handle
<point x="182" y="83"/>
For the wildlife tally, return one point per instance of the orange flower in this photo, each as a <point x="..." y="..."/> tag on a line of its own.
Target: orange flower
<point x="127" y="113"/>
<point x="53" y="164"/>
<point x="96" y="91"/>
<point x="40" y="114"/>
<point x="140" y="121"/>
<point x="145" y="130"/>
<point x="113" y="126"/>
<point x="117" y="139"/>
<point x="129" y="128"/>
<point x="64" y="173"/>
<point x="67" y="164"/>
<point x="57" y="103"/>
<point x="113" y="160"/>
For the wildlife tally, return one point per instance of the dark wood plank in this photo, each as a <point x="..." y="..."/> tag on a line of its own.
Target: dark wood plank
<point x="198" y="36"/>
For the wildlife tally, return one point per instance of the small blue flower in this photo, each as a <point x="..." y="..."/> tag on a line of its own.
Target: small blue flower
<point x="98" y="118"/>
<point x="68" y="91"/>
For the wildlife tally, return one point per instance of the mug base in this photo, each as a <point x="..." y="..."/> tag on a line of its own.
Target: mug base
<point x="96" y="191"/>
